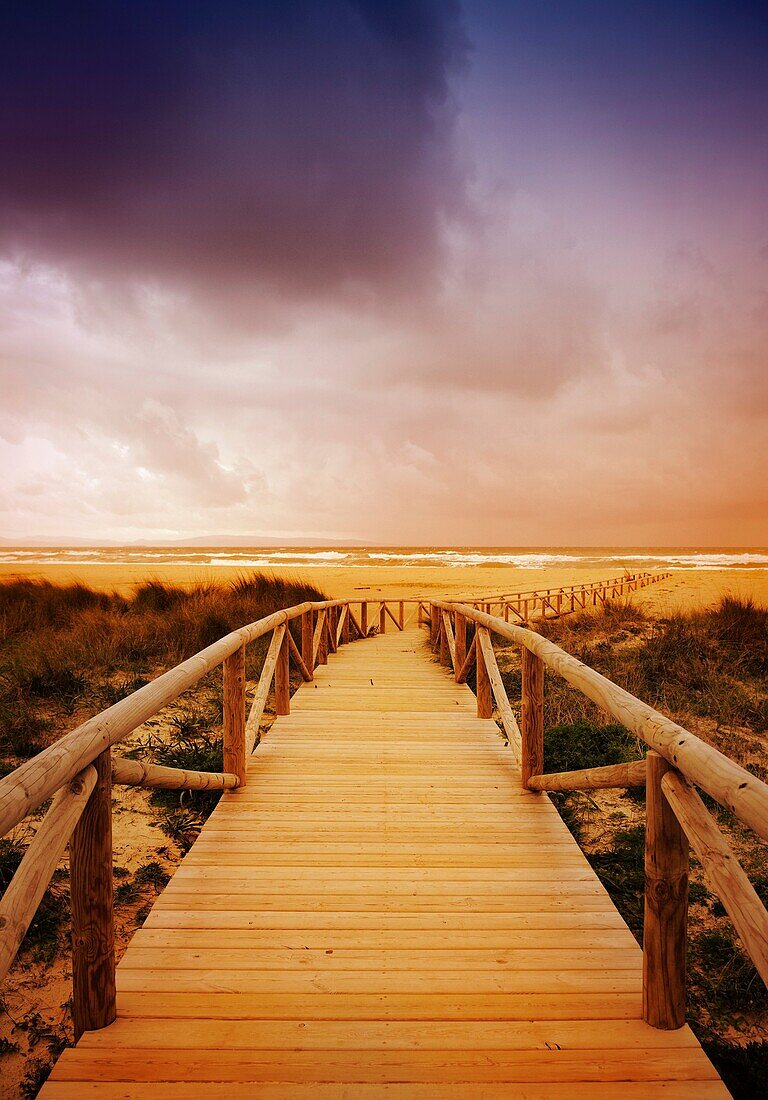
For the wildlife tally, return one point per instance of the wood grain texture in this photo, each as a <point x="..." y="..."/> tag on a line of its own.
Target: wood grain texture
<point x="726" y="781"/>
<point x="721" y="868"/>
<point x="137" y="773"/>
<point x="632" y="774"/>
<point x="383" y="911"/>
<point x="532" y="729"/>
<point x="91" y="892"/>
<point x="666" y="905"/>
<point x="25" y="890"/>
<point x="259" y="700"/>
<point x="233" y="709"/>
<point x="283" y="677"/>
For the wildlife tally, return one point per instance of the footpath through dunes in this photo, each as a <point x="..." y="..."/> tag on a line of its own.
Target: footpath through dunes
<point x="383" y="911"/>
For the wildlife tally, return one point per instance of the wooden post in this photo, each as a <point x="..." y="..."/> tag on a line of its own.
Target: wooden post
<point x="331" y="620"/>
<point x="307" y="634"/>
<point x="666" y="905"/>
<point x="532" y="725"/>
<point x="444" y="655"/>
<point x="283" y="678"/>
<point x="434" y="624"/>
<point x="382" y="620"/>
<point x="322" y="649"/>
<point x="461" y="643"/>
<point x="345" y="627"/>
<point x="234" y="714"/>
<point x="93" y="938"/>
<point x="364" y="618"/>
<point x="483" y="686"/>
<point x="401" y="616"/>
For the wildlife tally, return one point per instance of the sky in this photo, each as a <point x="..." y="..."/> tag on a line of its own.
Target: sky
<point x="479" y="273"/>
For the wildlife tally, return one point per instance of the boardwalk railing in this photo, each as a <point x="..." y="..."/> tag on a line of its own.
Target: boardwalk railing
<point x="78" y="772"/>
<point x="675" y="813"/>
<point x="573" y="597"/>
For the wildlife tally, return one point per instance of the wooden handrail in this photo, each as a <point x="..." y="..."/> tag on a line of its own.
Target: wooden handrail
<point x="592" y="779"/>
<point x="25" y="891"/>
<point x="469" y="660"/>
<point x="298" y="660"/>
<point x="675" y="814"/>
<point x="136" y="773"/>
<point x="722" y="778"/>
<point x="32" y="783"/>
<point x="262" y="690"/>
<point x="508" y="720"/>
<point x="721" y="868"/>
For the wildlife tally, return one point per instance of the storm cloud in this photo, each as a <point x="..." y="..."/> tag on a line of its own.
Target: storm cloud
<point x="298" y="145"/>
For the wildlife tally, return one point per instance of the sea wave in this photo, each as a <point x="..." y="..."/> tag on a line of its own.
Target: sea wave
<point x="611" y="560"/>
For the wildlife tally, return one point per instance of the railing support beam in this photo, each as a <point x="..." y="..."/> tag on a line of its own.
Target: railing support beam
<point x="283" y="677"/>
<point x="461" y="643"/>
<point x="91" y="890"/>
<point x="234" y="714"/>
<point x="483" y="685"/>
<point x="666" y="905"/>
<point x="532" y="729"/>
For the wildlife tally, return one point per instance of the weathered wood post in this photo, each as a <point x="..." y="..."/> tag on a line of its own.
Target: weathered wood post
<point x="234" y="714"/>
<point x="532" y="725"/>
<point x="307" y="637"/>
<point x="401" y="615"/>
<point x="483" y="685"/>
<point x="461" y="643"/>
<point x="91" y="893"/>
<point x="322" y="649"/>
<point x="283" y="677"/>
<point x="364" y="618"/>
<point x="345" y="626"/>
<point x="331" y="620"/>
<point x="666" y="905"/>
<point x="444" y="653"/>
<point x="382" y="618"/>
<point x="434" y="624"/>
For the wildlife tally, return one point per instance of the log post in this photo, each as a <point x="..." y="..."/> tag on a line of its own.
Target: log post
<point x="364" y="618"/>
<point x="328" y="630"/>
<point x="382" y="619"/>
<point x="434" y="624"/>
<point x="483" y="686"/>
<point x="532" y="726"/>
<point x="345" y="627"/>
<point x="401" y="615"/>
<point x="331" y="621"/>
<point x="283" y="678"/>
<point x="444" y="655"/>
<point x="91" y="893"/>
<point x="666" y="905"/>
<point x="461" y="643"/>
<point x="234" y="714"/>
<point x="322" y="649"/>
<point x="307" y="637"/>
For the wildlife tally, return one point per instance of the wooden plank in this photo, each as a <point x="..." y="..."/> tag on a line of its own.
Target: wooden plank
<point x="383" y="910"/>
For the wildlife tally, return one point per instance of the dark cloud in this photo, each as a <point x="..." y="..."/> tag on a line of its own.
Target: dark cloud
<point x="300" y="144"/>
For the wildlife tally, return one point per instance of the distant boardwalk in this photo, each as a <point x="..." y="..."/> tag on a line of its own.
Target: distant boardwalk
<point x="383" y="911"/>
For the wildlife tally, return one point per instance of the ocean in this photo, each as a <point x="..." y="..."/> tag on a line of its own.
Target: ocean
<point x="611" y="559"/>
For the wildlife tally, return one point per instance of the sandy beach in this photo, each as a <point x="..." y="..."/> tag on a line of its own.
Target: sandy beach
<point x="685" y="589"/>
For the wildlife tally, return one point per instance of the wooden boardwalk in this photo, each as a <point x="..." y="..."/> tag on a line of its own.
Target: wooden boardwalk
<point x="383" y="912"/>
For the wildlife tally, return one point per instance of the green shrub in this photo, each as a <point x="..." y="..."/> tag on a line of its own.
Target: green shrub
<point x="581" y="744"/>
